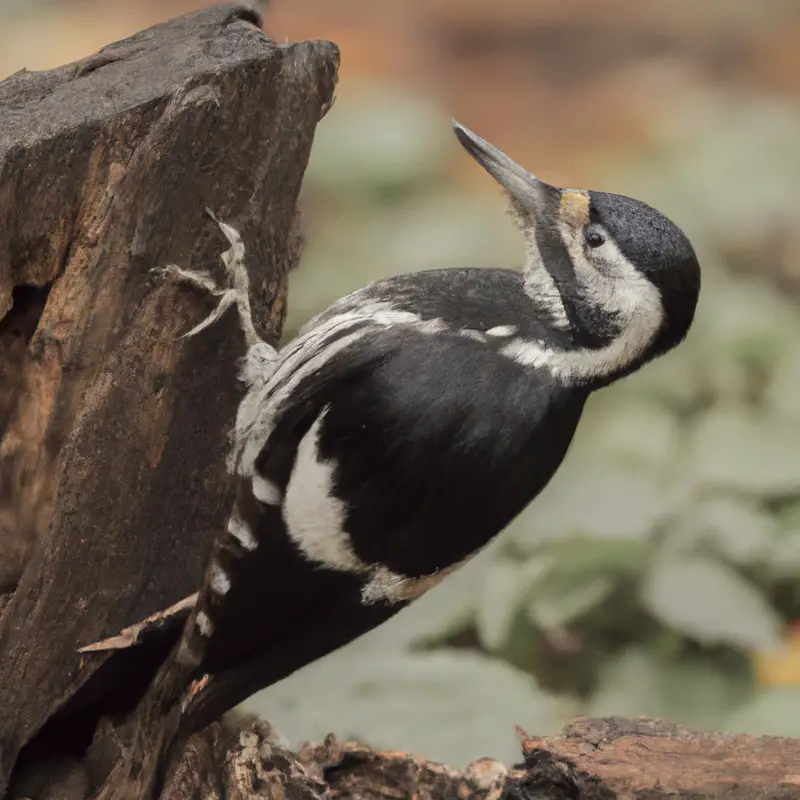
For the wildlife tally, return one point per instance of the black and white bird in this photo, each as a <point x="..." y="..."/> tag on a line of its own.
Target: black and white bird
<point x="409" y="423"/>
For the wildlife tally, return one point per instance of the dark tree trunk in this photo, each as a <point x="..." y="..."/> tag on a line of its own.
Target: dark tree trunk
<point x="113" y="434"/>
<point x="113" y="430"/>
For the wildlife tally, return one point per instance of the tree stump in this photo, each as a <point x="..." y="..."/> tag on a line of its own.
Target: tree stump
<point x="113" y="429"/>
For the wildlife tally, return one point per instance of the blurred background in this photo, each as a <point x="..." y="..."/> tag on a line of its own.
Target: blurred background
<point x="659" y="574"/>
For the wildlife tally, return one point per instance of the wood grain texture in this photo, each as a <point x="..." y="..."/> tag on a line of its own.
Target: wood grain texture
<point x="592" y="759"/>
<point x="652" y="758"/>
<point x="113" y="430"/>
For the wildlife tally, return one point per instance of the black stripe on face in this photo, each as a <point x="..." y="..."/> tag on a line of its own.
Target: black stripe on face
<point x="590" y="325"/>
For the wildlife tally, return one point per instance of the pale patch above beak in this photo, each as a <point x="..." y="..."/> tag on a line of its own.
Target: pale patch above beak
<point x="574" y="209"/>
<point x="539" y="198"/>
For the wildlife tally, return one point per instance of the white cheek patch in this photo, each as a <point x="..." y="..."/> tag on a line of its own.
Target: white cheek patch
<point x="618" y="289"/>
<point x="314" y="516"/>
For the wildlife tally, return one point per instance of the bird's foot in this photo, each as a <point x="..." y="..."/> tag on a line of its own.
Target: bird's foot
<point x="237" y="292"/>
<point x="200" y="280"/>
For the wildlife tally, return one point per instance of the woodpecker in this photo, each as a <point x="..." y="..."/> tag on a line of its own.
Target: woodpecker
<point x="405" y="426"/>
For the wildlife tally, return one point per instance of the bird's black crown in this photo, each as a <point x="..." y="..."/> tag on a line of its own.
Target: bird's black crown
<point x="658" y="249"/>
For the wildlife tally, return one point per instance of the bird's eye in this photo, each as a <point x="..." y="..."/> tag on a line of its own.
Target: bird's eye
<point x="594" y="238"/>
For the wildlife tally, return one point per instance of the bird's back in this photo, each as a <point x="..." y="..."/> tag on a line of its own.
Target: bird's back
<point x="389" y="459"/>
<point x="467" y="298"/>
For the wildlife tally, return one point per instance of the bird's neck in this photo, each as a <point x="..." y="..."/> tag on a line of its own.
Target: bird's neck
<point x="593" y="342"/>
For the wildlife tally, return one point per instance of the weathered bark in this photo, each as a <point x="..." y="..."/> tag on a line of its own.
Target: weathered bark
<point x="650" y="758"/>
<point x="113" y="430"/>
<point x="597" y="759"/>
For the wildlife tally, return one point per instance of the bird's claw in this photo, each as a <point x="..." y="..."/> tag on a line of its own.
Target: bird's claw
<point x="201" y="280"/>
<point x="237" y="292"/>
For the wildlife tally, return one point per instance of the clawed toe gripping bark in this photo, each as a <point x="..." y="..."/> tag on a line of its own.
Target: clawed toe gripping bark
<point x="237" y="293"/>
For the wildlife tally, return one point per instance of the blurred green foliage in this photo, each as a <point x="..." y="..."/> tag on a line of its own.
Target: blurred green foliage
<point x="666" y="552"/>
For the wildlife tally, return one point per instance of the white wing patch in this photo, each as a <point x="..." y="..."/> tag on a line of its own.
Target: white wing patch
<point x="218" y="581"/>
<point x="266" y="491"/>
<point x="474" y="335"/>
<point x="502" y="330"/>
<point x="315" y="519"/>
<point x="314" y="516"/>
<point x="204" y="624"/>
<point x="240" y="531"/>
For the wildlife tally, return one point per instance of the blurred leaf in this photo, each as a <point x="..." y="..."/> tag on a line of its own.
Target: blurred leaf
<point x="452" y="705"/>
<point x="709" y="602"/>
<point x="747" y="320"/>
<point x="601" y="501"/>
<point x="690" y="692"/>
<point x="782" y="392"/>
<point x="580" y="558"/>
<point x="733" y="526"/>
<point x="583" y="574"/>
<point x="627" y="430"/>
<point x="783" y="558"/>
<point x="727" y="380"/>
<point x="504" y="588"/>
<point x="788" y="516"/>
<point x="772" y="712"/>
<point x="672" y="381"/>
<point x="557" y="603"/>
<point x="735" y="449"/>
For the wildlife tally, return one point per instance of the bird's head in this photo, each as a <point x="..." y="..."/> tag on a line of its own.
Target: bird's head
<point x="607" y="268"/>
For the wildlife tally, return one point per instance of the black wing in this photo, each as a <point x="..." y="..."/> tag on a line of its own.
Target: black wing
<point x="423" y="445"/>
<point x="439" y="447"/>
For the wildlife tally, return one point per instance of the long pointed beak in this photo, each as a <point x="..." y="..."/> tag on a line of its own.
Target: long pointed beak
<point x="536" y="196"/>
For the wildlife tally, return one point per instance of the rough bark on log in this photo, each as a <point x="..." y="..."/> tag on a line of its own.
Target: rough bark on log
<point x="593" y="759"/>
<point x="113" y="430"/>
